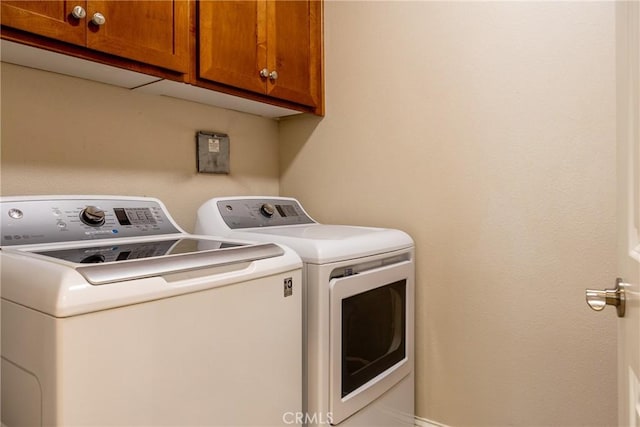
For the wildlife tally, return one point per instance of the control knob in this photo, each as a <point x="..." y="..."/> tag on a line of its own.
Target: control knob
<point x="93" y="259"/>
<point x="93" y="216"/>
<point x="267" y="209"/>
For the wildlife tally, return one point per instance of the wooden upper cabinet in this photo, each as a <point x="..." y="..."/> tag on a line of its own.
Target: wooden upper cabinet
<point x="269" y="51"/>
<point x="232" y="43"/>
<point x="270" y="47"/>
<point x="154" y="32"/>
<point x="294" y="40"/>
<point x="46" y="18"/>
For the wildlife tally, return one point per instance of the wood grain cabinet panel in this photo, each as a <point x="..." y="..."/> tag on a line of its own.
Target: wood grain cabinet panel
<point x="154" y="32"/>
<point x="271" y="47"/>
<point x="294" y="34"/>
<point x="232" y="43"/>
<point x="46" y="18"/>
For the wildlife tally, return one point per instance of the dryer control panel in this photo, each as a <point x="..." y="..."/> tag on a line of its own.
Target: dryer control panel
<point x="26" y="221"/>
<point x="240" y="213"/>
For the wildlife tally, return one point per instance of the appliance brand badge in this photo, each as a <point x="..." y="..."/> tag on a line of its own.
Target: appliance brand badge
<point x="288" y="286"/>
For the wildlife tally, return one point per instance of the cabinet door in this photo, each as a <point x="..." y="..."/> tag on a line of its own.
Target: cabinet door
<point x="46" y="18"/>
<point x="154" y="32"/>
<point x="294" y="40"/>
<point x="232" y="45"/>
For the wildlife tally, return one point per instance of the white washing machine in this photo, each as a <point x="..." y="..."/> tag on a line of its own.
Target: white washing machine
<point x="359" y="308"/>
<point x="112" y="315"/>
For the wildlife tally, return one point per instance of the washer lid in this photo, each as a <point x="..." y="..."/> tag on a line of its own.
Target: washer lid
<point x="283" y="220"/>
<point x="134" y="260"/>
<point x="321" y="244"/>
<point x="117" y="251"/>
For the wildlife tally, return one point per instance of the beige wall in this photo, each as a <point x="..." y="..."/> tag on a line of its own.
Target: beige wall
<point x="63" y="135"/>
<point x="486" y="130"/>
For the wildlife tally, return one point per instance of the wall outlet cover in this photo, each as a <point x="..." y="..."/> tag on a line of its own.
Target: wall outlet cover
<point x="212" y="152"/>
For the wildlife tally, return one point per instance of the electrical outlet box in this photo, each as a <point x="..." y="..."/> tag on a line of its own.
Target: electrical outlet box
<point x="212" y="152"/>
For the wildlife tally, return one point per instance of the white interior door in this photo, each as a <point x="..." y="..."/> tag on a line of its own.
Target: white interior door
<point x="628" y="130"/>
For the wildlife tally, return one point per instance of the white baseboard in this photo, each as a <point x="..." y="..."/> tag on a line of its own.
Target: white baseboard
<point x="422" y="422"/>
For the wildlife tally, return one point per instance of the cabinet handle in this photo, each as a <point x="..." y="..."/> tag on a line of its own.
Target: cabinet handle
<point x="273" y="75"/>
<point x="78" y="12"/>
<point x="264" y="73"/>
<point x="98" y="19"/>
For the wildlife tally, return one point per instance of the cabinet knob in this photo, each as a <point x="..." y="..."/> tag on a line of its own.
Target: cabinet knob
<point x="78" y="12"/>
<point x="98" y="18"/>
<point x="272" y="75"/>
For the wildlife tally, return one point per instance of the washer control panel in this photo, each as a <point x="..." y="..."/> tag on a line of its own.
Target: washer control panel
<point x="273" y="212"/>
<point x="24" y="221"/>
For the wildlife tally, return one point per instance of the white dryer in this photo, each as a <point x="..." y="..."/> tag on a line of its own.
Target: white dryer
<point x="359" y="308"/>
<point x="112" y="315"/>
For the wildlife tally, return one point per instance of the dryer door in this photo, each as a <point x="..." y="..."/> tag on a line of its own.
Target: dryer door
<point x="371" y="336"/>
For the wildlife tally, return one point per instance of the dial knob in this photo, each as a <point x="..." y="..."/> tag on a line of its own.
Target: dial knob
<point x="93" y="216"/>
<point x="267" y="209"/>
<point x="93" y="259"/>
